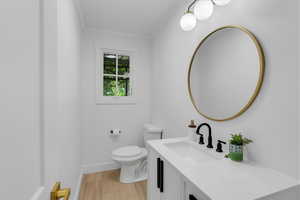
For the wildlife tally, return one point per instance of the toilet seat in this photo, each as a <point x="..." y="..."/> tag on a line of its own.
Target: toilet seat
<point x="129" y="153"/>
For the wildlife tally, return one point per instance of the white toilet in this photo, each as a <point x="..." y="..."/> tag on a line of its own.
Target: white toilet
<point x="133" y="158"/>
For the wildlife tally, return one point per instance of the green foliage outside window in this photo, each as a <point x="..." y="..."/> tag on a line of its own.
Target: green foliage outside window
<point x="123" y="85"/>
<point x="123" y="65"/>
<point x="115" y="80"/>
<point x="110" y="64"/>
<point x="109" y="86"/>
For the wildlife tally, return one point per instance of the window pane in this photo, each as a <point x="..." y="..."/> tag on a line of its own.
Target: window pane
<point x="124" y="87"/>
<point x="109" y="86"/>
<point x="123" y="65"/>
<point x="109" y="63"/>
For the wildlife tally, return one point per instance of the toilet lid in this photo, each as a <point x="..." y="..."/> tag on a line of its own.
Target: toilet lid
<point x="128" y="151"/>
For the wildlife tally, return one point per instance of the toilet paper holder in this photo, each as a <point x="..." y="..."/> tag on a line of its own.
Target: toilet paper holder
<point x="115" y="132"/>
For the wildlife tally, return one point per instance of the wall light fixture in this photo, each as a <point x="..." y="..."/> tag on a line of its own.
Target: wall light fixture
<point x="202" y="10"/>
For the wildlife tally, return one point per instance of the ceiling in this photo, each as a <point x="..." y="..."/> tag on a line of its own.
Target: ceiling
<point x="139" y="17"/>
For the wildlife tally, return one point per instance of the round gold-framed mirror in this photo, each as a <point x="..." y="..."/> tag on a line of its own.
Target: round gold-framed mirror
<point x="226" y="73"/>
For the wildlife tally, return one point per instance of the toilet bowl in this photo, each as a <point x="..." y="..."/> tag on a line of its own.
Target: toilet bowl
<point x="133" y="163"/>
<point x="133" y="159"/>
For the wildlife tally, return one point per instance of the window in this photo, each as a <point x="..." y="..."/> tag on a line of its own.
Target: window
<point x="115" y="77"/>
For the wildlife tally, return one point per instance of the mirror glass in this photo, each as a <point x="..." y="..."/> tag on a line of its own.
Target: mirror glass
<point x="226" y="73"/>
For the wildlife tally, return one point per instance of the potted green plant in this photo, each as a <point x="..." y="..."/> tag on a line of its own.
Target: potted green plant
<point x="236" y="147"/>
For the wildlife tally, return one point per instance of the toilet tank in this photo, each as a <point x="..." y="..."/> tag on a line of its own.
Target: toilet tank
<point x="152" y="132"/>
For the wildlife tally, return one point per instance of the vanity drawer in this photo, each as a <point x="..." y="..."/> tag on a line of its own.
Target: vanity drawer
<point x="193" y="193"/>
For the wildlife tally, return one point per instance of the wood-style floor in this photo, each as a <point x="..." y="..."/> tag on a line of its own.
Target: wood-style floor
<point x="106" y="186"/>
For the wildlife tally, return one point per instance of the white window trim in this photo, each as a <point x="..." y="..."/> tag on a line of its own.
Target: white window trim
<point x="109" y="100"/>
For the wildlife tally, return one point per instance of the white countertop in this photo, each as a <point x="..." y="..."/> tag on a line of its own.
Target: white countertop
<point x="223" y="179"/>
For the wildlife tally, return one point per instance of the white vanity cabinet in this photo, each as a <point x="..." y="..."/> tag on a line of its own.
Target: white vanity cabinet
<point x="173" y="183"/>
<point x="174" y="175"/>
<point x="153" y="190"/>
<point x="192" y="193"/>
<point x="164" y="182"/>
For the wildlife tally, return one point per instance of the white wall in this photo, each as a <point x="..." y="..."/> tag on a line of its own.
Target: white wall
<point x="298" y="17"/>
<point x="69" y="32"/>
<point x="97" y="120"/>
<point x="19" y="99"/>
<point x="60" y="83"/>
<point x="272" y="120"/>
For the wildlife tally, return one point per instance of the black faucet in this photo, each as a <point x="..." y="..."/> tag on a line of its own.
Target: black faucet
<point x="209" y="145"/>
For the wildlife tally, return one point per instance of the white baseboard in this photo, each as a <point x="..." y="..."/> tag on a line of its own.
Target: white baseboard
<point x="99" y="167"/>
<point x="38" y="194"/>
<point x="77" y="191"/>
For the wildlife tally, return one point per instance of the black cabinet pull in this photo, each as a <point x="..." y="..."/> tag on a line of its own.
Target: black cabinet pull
<point x="192" y="197"/>
<point x="161" y="176"/>
<point x="158" y="172"/>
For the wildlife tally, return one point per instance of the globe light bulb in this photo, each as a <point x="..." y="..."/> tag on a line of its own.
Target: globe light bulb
<point x="221" y="2"/>
<point x="188" y="21"/>
<point x="203" y="9"/>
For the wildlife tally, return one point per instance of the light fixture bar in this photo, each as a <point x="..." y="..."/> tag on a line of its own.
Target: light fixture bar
<point x="191" y="5"/>
<point x="203" y="9"/>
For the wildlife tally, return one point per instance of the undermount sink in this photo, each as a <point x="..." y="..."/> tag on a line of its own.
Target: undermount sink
<point x="189" y="151"/>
